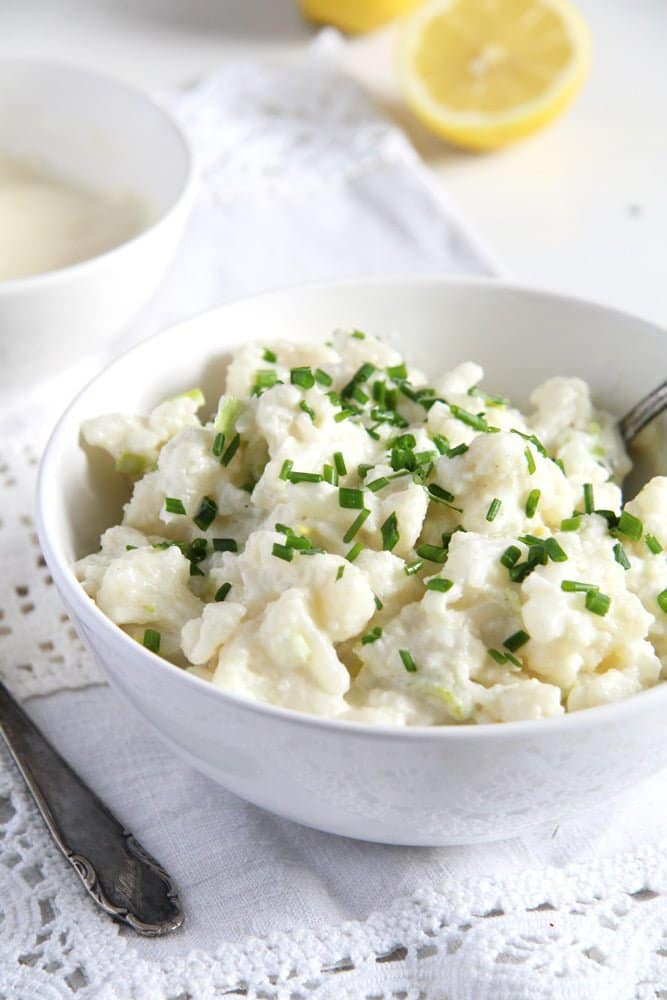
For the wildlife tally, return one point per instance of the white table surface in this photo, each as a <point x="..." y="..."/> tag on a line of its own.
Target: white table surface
<point x="581" y="207"/>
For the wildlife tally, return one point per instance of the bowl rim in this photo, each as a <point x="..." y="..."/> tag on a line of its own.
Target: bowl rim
<point x="75" y="597"/>
<point x="45" y="279"/>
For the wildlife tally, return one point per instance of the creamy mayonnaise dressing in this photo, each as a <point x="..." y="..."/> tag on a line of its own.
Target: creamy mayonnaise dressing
<point x="48" y="222"/>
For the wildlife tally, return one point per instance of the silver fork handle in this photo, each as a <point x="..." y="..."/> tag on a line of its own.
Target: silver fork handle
<point x="643" y="413"/>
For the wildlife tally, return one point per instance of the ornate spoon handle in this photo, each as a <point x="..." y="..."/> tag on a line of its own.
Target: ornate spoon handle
<point x="121" y="877"/>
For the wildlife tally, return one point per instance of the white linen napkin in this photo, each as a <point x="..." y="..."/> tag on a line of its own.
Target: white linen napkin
<point x="300" y="180"/>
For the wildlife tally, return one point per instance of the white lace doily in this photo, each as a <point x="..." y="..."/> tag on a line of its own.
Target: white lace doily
<point x="299" y="157"/>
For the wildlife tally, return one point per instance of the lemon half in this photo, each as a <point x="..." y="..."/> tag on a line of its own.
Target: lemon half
<point x="482" y="73"/>
<point x="355" y="16"/>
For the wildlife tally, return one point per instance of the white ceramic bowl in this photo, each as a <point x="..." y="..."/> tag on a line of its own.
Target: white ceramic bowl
<point x="101" y="134"/>
<point x="407" y="786"/>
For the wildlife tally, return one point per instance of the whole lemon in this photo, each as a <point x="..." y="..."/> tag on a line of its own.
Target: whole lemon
<point x="355" y="16"/>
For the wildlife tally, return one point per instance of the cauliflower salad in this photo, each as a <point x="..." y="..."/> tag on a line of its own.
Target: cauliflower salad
<point x="347" y="538"/>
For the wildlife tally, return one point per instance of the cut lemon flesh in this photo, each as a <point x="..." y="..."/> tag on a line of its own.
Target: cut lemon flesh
<point x="356" y="15"/>
<point x="482" y="73"/>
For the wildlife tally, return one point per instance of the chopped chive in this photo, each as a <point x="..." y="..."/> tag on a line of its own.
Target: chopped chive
<point x="231" y="450"/>
<point x="397" y="372"/>
<point x="510" y="556"/>
<point x="265" y="378"/>
<point x="532" y="502"/>
<point x="283" y="551"/>
<point x="531" y="540"/>
<point x="440" y="584"/>
<point x="488" y="397"/>
<point x="378" y="603"/>
<point x="363" y="470"/>
<point x="530" y="460"/>
<point x="380" y="392"/>
<point x="354" y="552"/>
<point x="195" y="570"/>
<point x="227" y="415"/>
<point x="339" y="462"/>
<point x="520" y="571"/>
<point x="218" y="444"/>
<point x="225" y="545"/>
<point x="270" y="356"/>
<point x="432" y="553"/>
<point x="339" y="573"/>
<point x="576" y="587"/>
<point x="620" y="556"/>
<point x="372" y="636"/>
<point x="441" y="443"/>
<point x="478" y="423"/>
<point x="351" y="499"/>
<point x="358" y="335"/>
<point x="322" y="377"/>
<point x="533" y="439"/>
<point x="286" y="469"/>
<point x="343" y="415"/>
<point x="408" y="661"/>
<point x="302" y="376"/>
<point x="438" y="493"/>
<point x="597" y="602"/>
<point x="555" y="552"/>
<point x="356" y="524"/>
<point x="561" y="465"/>
<point x="653" y="544"/>
<point x="494" y="507"/>
<point x="207" y="513"/>
<point x="174" y="506"/>
<point x="372" y="432"/>
<point x="589" y="502"/>
<point x="411" y="568"/>
<point x="630" y="525"/>
<point x="496" y="655"/>
<point x="334" y="398"/>
<point x="662" y="600"/>
<point x="304" y="477"/>
<point x="131" y="548"/>
<point x="378" y="484"/>
<point x="303" y="405"/>
<point x="329" y="475"/>
<point x="222" y="592"/>
<point x="516" y="640"/>
<point x="610" y="517"/>
<point x="460" y="449"/>
<point x="389" y="531"/>
<point x="359" y="395"/>
<point x="571" y="523"/>
<point x="152" y="640"/>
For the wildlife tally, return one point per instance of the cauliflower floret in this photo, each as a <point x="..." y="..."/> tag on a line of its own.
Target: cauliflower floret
<point x="114" y="542"/>
<point x="650" y="506"/>
<point x="526" y="698"/>
<point x="201" y="638"/>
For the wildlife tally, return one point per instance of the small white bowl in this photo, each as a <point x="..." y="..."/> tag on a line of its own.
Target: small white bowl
<point x="102" y="135"/>
<point x="446" y="785"/>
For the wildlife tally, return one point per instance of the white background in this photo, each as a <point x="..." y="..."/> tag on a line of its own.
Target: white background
<point x="581" y="207"/>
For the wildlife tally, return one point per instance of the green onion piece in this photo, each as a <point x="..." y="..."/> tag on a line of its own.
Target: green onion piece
<point x="510" y="556"/>
<point x="438" y="493"/>
<point x="343" y="415"/>
<point x="372" y="636"/>
<point x="589" y="502"/>
<point x="610" y="517"/>
<point x="229" y="409"/>
<point x="533" y="439"/>
<point x="334" y="397"/>
<point x="303" y="405"/>
<point x="520" y="571"/>
<point x="225" y="545"/>
<point x="322" y="377"/>
<point x="302" y="376"/>
<point x="460" y="449"/>
<point x="283" y="551"/>
<point x="222" y="592"/>
<point x="532" y="502"/>
<point x="571" y="523"/>
<point x="432" y="553"/>
<point x="576" y="587"/>
<point x="378" y="484"/>
<point x="620" y="556"/>
<point x="339" y="462"/>
<point x="662" y="600"/>
<point x="359" y="395"/>
<point x="270" y="356"/>
<point x="597" y="602"/>
<point x="397" y="372"/>
<point x="152" y="640"/>
<point x="286" y="469"/>
<point x="351" y="499"/>
<point x="530" y="460"/>
<point x="339" y="573"/>
<point x="174" y="506"/>
<point x="408" y="662"/>
<point x="653" y="544"/>
<point x="389" y="531"/>
<point x="304" y="477"/>
<point x="265" y="378"/>
<point x="494" y="507"/>
<point x="218" y="444"/>
<point x="411" y="568"/>
<point x="516" y="640"/>
<point x="441" y="443"/>
<point x="363" y="470"/>
<point x="207" y="513"/>
<point x="478" y="423"/>
<point x="440" y="584"/>
<point x="496" y="655"/>
<point x="380" y="393"/>
<point x="554" y="550"/>
<point x="358" y="335"/>
<point x="354" y="551"/>
<point x="630" y="525"/>
<point x="356" y="524"/>
<point x="329" y="475"/>
<point x="231" y="450"/>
